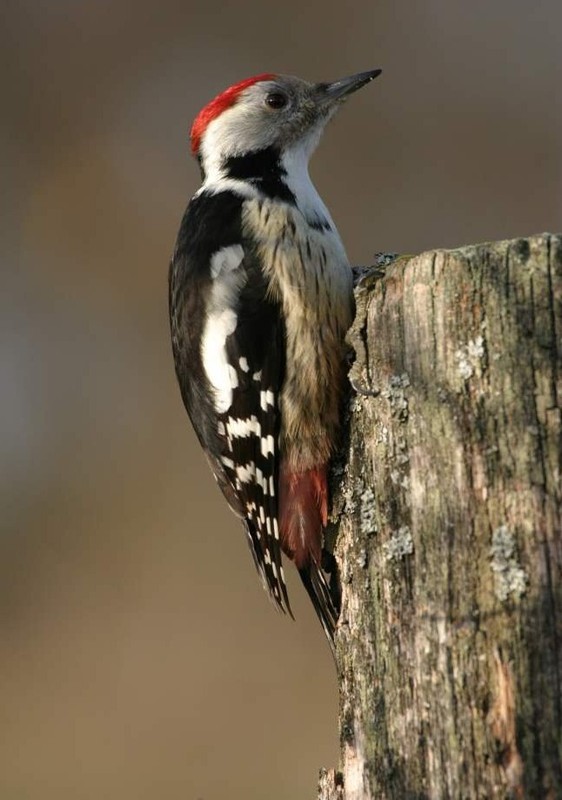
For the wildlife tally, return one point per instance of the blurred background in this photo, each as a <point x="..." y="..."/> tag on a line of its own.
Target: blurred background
<point x="139" y="656"/>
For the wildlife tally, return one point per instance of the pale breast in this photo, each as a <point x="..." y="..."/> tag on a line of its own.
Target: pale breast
<point x="310" y="275"/>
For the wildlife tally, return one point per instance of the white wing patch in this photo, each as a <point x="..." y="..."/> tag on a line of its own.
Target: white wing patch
<point x="221" y="321"/>
<point x="226" y="261"/>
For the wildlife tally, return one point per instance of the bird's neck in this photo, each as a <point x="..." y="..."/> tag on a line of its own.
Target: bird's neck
<point x="281" y="176"/>
<point x="295" y="165"/>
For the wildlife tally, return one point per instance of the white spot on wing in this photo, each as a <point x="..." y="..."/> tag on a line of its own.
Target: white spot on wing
<point x="261" y="480"/>
<point x="267" y="399"/>
<point x="241" y="428"/>
<point x="246" y="472"/>
<point x="244" y="366"/>
<point x="267" y="445"/>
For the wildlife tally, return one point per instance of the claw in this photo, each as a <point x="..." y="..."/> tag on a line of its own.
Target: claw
<point x="363" y="390"/>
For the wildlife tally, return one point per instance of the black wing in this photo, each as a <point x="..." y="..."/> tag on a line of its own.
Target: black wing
<point x="241" y="442"/>
<point x="250" y="447"/>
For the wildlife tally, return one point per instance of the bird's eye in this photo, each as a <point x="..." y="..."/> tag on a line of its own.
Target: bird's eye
<point x="276" y="100"/>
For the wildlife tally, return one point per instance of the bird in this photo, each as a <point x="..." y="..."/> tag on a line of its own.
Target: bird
<point x="260" y="300"/>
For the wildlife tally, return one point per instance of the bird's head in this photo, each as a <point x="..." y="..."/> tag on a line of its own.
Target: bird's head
<point x="268" y="111"/>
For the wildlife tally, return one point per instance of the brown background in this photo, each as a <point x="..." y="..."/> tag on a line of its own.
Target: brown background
<point x="139" y="657"/>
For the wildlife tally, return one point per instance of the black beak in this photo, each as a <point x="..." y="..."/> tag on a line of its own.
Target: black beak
<point x="340" y="89"/>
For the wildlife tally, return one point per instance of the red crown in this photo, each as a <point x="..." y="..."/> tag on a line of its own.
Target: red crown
<point x="219" y="104"/>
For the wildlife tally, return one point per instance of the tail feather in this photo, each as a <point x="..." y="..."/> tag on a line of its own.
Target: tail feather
<point x="303" y="515"/>
<point x="322" y="599"/>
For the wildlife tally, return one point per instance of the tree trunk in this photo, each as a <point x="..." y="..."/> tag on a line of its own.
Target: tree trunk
<point x="449" y="504"/>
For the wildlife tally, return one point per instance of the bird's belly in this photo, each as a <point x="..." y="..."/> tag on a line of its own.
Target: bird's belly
<point x="309" y="273"/>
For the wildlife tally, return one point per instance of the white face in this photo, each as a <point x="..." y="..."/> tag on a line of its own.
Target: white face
<point x="286" y="112"/>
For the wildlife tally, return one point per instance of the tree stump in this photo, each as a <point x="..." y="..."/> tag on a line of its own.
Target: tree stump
<point x="449" y="502"/>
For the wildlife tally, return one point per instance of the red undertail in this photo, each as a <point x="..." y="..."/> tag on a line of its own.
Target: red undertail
<point x="303" y="501"/>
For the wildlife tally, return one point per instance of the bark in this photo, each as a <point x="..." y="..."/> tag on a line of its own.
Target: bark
<point x="449" y="501"/>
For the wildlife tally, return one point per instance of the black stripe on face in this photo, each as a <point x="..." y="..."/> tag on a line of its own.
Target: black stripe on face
<point x="263" y="169"/>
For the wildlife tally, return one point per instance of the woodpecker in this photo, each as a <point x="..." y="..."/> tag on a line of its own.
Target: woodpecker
<point x="260" y="299"/>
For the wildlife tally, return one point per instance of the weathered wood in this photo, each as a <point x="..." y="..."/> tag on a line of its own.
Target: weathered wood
<point x="450" y="547"/>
